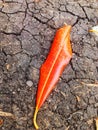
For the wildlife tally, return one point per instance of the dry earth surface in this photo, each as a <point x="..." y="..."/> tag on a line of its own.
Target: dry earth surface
<point x="27" y="29"/>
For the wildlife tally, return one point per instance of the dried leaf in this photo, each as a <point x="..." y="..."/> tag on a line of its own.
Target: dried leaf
<point x="78" y="98"/>
<point x="94" y="29"/>
<point x="6" y="114"/>
<point x="8" y="66"/>
<point x="92" y="85"/>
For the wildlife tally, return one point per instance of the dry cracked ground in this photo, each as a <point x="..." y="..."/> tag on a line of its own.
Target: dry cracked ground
<point x="27" y="29"/>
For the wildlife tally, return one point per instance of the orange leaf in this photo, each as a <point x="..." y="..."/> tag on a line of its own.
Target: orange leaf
<point x="59" y="56"/>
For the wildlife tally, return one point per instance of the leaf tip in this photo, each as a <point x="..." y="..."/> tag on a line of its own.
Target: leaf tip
<point x="34" y="120"/>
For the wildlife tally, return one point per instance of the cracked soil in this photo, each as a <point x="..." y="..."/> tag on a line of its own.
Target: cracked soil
<point x="27" y="29"/>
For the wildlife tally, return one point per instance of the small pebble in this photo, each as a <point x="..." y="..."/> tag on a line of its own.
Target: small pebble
<point x="29" y="83"/>
<point x="13" y="92"/>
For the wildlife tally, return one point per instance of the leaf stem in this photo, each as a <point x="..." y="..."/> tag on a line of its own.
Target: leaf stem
<point x="34" y="120"/>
